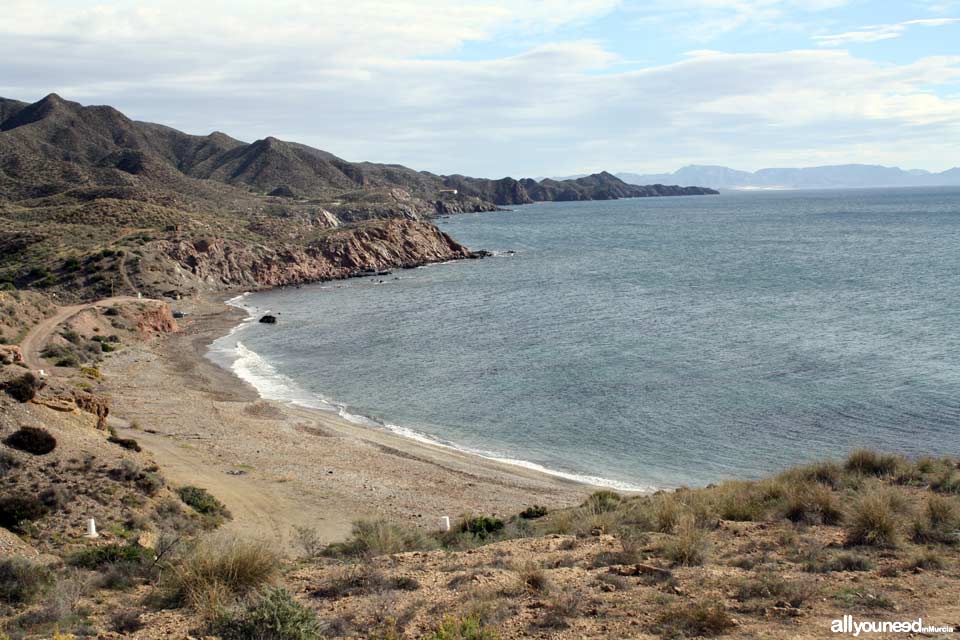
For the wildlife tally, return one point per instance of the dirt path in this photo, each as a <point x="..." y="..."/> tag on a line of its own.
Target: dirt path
<point x="260" y="509"/>
<point x="35" y="340"/>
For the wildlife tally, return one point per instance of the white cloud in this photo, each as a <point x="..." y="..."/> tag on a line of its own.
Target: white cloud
<point x="385" y="82"/>
<point x="875" y="33"/>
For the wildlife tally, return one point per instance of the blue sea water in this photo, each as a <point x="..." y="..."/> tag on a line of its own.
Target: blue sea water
<point x="647" y="342"/>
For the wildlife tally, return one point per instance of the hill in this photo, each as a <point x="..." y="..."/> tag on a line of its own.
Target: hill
<point x="94" y="203"/>
<point x="827" y="177"/>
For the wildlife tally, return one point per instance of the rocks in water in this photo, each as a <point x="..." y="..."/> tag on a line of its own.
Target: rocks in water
<point x="269" y="319"/>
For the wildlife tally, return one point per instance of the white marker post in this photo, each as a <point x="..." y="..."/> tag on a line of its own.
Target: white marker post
<point x="445" y="523"/>
<point x="92" y="529"/>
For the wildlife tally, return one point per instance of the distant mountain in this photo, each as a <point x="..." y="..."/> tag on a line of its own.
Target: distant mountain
<point x="827" y="177"/>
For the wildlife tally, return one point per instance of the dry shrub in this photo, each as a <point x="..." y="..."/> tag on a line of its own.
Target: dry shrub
<point x="769" y="586"/>
<point x="938" y="523"/>
<point x="740" y="501"/>
<point x="875" y="519"/>
<point x="221" y="569"/>
<point x="534" y="578"/>
<point x="559" y="608"/>
<point x="602" y="501"/>
<point x="688" y="545"/>
<point x="927" y="559"/>
<point x="870" y="463"/>
<point x="691" y="621"/>
<point x="812" y="503"/>
<point x="22" y="580"/>
<point x="379" y="537"/>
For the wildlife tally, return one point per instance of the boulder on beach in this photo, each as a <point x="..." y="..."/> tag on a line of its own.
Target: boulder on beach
<point x="268" y="319"/>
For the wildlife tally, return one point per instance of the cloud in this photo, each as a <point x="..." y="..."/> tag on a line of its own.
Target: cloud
<point x="386" y="81"/>
<point x="875" y="33"/>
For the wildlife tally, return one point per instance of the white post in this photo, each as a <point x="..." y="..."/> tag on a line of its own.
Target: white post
<point x="92" y="529"/>
<point x="445" y="523"/>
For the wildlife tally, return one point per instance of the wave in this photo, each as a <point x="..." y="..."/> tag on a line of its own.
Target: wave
<point x="229" y="352"/>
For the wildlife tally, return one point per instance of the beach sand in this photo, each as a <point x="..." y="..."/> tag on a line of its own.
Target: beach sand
<point x="278" y="466"/>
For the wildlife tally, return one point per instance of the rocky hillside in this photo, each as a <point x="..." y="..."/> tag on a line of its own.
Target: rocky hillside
<point x="93" y="203"/>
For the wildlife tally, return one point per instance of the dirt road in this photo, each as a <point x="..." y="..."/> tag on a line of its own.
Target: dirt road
<point x="34" y="342"/>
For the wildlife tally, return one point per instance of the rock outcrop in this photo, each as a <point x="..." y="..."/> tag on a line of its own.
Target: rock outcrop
<point x="375" y="246"/>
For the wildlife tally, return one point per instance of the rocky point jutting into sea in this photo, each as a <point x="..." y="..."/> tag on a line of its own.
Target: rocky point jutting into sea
<point x="94" y="203"/>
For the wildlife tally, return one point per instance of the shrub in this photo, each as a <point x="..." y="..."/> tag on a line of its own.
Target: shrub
<point x="874" y="520"/>
<point x="22" y="580"/>
<point x="201" y="501"/>
<point x="740" y="501"/>
<point x="309" y="541"/>
<point x="867" y="462"/>
<point x="219" y="569"/>
<point x="127" y="443"/>
<point x="32" y="440"/>
<point x="927" y="559"/>
<point x="480" y="526"/>
<point x="467" y="628"/>
<point x="534" y="512"/>
<point x="99" y="556"/>
<point x="697" y="620"/>
<point x="771" y="586"/>
<point x="23" y="388"/>
<point x="363" y="580"/>
<point x="8" y="462"/>
<point x="18" y="508"/>
<point x="939" y="523"/>
<point x="534" y="578"/>
<point x="379" y="537"/>
<point x="126" y="622"/>
<point x="688" y="545"/>
<point x="842" y="562"/>
<point x="602" y="501"/>
<point x="559" y="607"/>
<point x="825" y="473"/>
<point x="275" y="615"/>
<point x="813" y="503"/>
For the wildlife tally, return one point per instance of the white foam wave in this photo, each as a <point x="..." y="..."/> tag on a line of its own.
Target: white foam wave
<point x="252" y="368"/>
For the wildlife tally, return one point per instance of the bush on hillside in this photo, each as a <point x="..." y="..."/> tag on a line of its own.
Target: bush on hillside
<point x="867" y="462"/>
<point x="18" y="508"/>
<point x="32" y="440"/>
<point x="275" y="615"/>
<point x="379" y="537"/>
<point x="875" y="520"/>
<point x="23" y="388"/>
<point x="22" y="580"/>
<point x="204" y="503"/>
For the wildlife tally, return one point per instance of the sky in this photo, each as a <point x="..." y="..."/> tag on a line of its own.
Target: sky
<point x="522" y="88"/>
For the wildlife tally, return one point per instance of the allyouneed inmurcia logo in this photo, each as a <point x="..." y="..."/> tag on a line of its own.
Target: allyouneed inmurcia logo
<point x="853" y="627"/>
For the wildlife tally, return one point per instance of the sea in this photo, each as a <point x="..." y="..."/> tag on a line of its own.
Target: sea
<point x="644" y="343"/>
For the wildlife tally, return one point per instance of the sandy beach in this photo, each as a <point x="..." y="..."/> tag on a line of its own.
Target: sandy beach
<point x="279" y="466"/>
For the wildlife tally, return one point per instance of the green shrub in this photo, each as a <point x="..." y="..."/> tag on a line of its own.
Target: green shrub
<point x="867" y="462"/>
<point x="18" y="508"/>
<point x="32" y="440"/>
<point x="534" y="512"/>
<point x="99" y="556"/>
<point x="481" y="526"/>
<point x="467" y="628"/>
<point x="691" y="621"/>
<point x="602" y="501"/>
<point x="275" y="615"/>
<point x="22" y="580"/>
<point x="201" y="501"/>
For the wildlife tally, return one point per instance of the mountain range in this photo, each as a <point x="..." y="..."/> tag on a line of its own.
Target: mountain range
<point x="826" y="177"/>
<point x="84" y="187"/>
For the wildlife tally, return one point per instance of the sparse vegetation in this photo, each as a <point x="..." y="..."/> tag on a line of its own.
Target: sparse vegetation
<point x="466" y="628"/>
<point x="688" y="545"/>
<point x="22" y="580"/>
<point x="697" y="620"/>
<point x="23" y="388"/>
<point x="204" y="503"/>
<point x="274" y="615"/>
<point x="875" y="519"/>
<point x="379" y="537"/>
<point x="867" y="462"/>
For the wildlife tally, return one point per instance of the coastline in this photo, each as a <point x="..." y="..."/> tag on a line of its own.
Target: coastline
<point x="278" y="465"/>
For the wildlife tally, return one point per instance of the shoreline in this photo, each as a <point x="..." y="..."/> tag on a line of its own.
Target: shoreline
<point x="310" y="401"/>
<point x="277" y="465"/>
